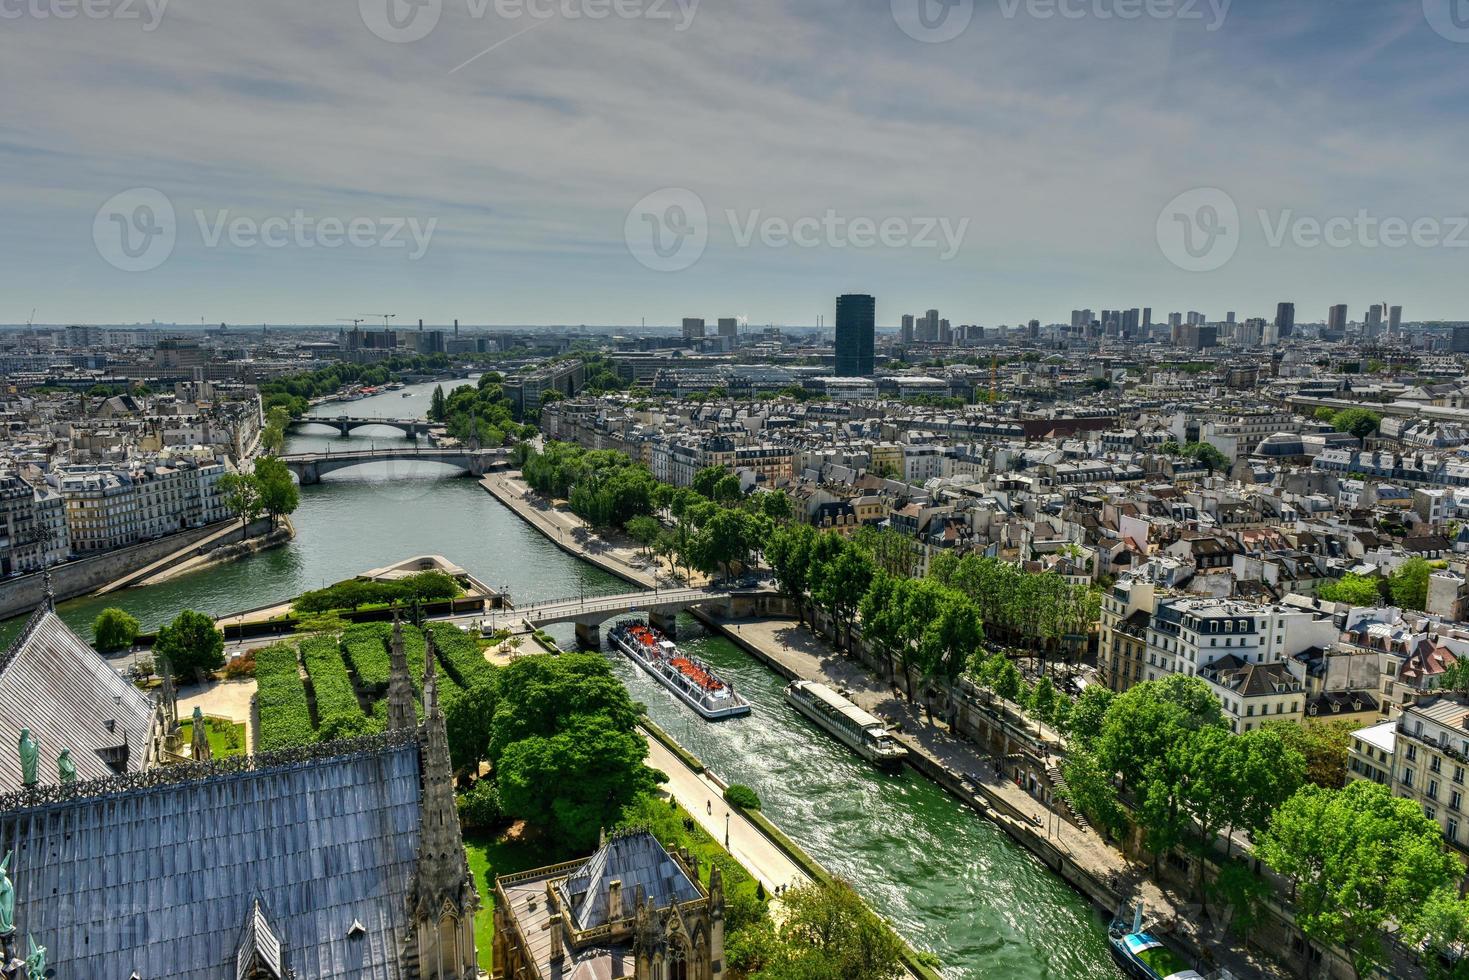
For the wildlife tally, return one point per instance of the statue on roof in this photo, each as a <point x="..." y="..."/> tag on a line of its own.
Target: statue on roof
<point x="35" y="959"/>
<point x="30" y="759"/>
<point x="7" y="898"/>
<point x="66" y="768"/>
<point x="199" y="749"/>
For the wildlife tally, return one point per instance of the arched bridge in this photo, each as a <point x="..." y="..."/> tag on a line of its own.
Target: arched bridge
<point x="411" y="428"/>
<point x="662" y="607"/>
<point x="311" y="467"/>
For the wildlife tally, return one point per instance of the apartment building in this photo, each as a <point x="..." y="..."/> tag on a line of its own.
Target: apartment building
<point x="1431" y="756"/>
<point x="33" y="531"/>
<point x="101" y="509"/>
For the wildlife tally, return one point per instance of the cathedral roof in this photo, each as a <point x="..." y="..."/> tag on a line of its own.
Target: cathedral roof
<point x="638" y="861"/>
<point x="153" y="874"/>
<point x="70" y="698"/>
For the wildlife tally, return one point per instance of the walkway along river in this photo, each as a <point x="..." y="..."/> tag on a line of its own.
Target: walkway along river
<point x="949" y="880"/>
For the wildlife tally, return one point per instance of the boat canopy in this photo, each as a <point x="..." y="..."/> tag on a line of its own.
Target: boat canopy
<point x="841" y="705"/>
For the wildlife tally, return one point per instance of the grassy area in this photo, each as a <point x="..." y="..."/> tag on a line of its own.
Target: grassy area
<point x="490" y="856"/>
<point x="226" y="738"/>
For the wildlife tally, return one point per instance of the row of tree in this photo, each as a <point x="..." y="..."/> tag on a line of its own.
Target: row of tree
<point x="269" y="489"/>
<point x="1407" y="587"/>
<point x="480" y="413"/>
<point x="1162" y="759"/>
<point x="295" y="392"/>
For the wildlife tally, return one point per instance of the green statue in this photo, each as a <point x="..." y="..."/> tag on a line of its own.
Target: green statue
<point x="66" y="769"/>
<point x="30" y="758"/>
<point x="7" y="899"/>
<point x="35" y="959"/>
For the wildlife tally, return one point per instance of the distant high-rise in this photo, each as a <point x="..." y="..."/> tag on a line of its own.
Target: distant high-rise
<point x="1394" y="320"/>
<point x="693" y="328"/>
<point x="907" y="333"/>
<point x="1175" y="319"/>
<point x="928" y="331"/>
<point x="946" y="333"/>
<point x="1285" y="320"/>
<point x="856" y="327"/>
<point x="1336" y="321"/>
<point x="1372" y="329"/>
<point x="1229" y="317"/>
<point x="729" y="327"/>
<point x="1461" y="340"/>
<point x="1147" y="319"/>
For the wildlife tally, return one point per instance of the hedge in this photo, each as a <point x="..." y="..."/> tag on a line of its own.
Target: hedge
<point x="334" y="694"/>
<point x="366" y="648"/>
<point x="462" y="658"/>
<point x="285" y="718"/>
<point x="355" y="593"/>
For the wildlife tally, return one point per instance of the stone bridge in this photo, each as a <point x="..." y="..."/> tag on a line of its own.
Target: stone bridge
<point x="311" y="467"/>
<point x="344" y="424"/>
<point x="662" y="607"/>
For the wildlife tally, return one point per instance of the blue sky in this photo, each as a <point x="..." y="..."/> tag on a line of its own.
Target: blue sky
<point x="1055" y="142"/>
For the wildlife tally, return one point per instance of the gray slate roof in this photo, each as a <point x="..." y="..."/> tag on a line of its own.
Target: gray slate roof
<point x="161" y="879"/>
<point x="66" y="694"/>
<point x="635" y="860"/>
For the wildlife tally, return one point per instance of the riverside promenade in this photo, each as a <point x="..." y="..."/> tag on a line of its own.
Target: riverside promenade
<point x="1078" y="854"/>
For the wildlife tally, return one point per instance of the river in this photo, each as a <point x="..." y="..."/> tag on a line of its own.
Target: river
<point x="949" y="880"/>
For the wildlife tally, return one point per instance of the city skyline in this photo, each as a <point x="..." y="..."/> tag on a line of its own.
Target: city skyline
<point x="518" y="190"/>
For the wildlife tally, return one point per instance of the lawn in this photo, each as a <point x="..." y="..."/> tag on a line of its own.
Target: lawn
<point x="226" y="738"/>
<point x="491" y="855"/>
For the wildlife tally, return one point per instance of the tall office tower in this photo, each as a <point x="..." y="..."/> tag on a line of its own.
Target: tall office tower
<point x="1253" y="333"/>
<point x="1336" y="321"/>
<point x="856" y="327"/>
<point x="1175" y="319"/>
<point x="1034" y="329"/>
<point x="1196" y="318"/>
<point x="1131" y="319"/>
<point x="1147" y="320"/>
<point x="1075" y="319"/>
<point x="1229" y="317"/>
<point x="946" y="333"/>
<point x="693" y="328"/>
<point x="907" y="333"/>
<point x="1285" y="320"/>
<point x="928" y="331"/>
<point x="1372" y="329"/>
<point x="1461" y="340"/>
<point x="729" y="326"/>
<point x="1395" y="320"/>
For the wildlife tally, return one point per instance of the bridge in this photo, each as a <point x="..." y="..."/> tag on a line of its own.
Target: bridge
<point x="345" y="424"/>
<point x="309" y="468"/>
<point x="589" y="612"/>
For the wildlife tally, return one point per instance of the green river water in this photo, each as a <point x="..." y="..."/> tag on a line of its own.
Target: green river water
<point x="950" y="881"/>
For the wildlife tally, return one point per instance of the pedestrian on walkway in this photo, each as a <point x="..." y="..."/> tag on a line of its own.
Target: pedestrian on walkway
<point x="709" y="806"/>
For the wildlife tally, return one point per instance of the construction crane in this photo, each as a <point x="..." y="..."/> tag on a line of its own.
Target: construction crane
<point x="31" y="322"/>
<point x="355" y="321"/>
<point x="386" y="317"/>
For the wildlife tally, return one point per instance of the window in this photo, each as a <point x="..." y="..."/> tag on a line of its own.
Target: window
<point x="1407" y="777"/>
<point x="1451" y="831"/>
<point x="1432" y="789"/>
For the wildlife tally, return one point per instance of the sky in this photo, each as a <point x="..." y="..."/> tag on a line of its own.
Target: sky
<point x="614" y="161"/>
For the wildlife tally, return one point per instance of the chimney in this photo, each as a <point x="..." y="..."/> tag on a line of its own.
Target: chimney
<point x="614" y="901"/>
<point x="420" y="324"/>
<point x="456" y="328"/>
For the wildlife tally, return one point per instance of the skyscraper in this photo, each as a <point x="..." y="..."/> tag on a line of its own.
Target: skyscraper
<point x="907" y="334"/>
<point x="1336" y="321"/>
<point x="1285" y="320"/>
<point x="1372" y="329"/>
<point x="729" y="327"/>
<point x="693" y="328"/>
<point x="928" y="332"/>
<point x="856" y="327"/>
<point x="1395" y="320"/>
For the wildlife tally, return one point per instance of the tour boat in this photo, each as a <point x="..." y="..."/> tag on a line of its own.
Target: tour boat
<point x="862" y="732"/>
<point x="1140" y="955"/>
<point x="691" y="681"/>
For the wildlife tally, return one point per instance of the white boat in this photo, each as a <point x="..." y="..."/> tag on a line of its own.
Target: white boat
<point x="692" y="681"/>
<point x="860" y="731"/>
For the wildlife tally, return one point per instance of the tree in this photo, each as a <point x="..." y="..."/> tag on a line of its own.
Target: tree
<point x="889" y="550"/>
<point x="725" y="539"/>
<point x="829" y="933"/>
<point x="838" y="585"/>
<point x="727" y="491"/>
<point x="539" y="696"/>
<point x="114" y="630"/>
<point x="1324" y="414"/>
<point x="1323" y="745"/>
<point x="789" y="554"/>
<point x="191" y="644"/>
<point x="706" y="481"/>
<point x="277" y="492"/>
<point x="1358" y="421"/>
<point x="1084" y="725"/>
<point x="1144" y="721"/>
<point x="468" y="715"/>
<point x="644" y="530"/>
<point x="242" y="495"/>
<point x="1090" y="792"/>
<point x="777" y="506"/>
<point x="576" y="782"/>
<point x="1410" y="584"/>
<point x="1352" y="589"/>
<point x="1360" y="859"/>
<point x="1441" y="928"/>
<point x="437" y="405"/>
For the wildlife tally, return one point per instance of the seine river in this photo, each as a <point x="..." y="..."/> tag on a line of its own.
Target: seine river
<point x="949" y="880"/>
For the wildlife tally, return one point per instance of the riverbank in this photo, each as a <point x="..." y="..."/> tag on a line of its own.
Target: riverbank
<point x="1078" y="855"/>
<point x="197" y="560"/>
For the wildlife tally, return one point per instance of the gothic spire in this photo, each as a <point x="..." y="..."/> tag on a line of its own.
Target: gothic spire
<point x="49" y="599"/>
<point x="400" y="684"/>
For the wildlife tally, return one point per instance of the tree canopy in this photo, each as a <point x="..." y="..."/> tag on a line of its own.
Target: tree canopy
<point x="192" y="645"/>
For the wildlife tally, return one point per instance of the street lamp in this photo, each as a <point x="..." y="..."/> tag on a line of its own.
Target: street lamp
<point x="726" y="830"/>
